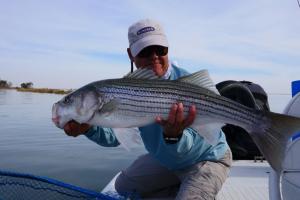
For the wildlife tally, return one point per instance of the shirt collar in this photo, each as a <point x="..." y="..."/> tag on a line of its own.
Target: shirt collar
<point x="168" y="72"/>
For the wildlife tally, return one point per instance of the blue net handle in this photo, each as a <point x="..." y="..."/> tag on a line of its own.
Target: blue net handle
<point x="295" y="87"/>
<point x="295" y="90"/>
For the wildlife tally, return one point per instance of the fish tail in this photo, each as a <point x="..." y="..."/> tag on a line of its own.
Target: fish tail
<point x="273" y="141"/>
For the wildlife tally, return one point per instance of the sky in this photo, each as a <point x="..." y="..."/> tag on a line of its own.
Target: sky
<point x="67" y="44"/>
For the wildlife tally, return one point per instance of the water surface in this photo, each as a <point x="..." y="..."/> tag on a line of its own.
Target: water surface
<point x="30" y="143"/>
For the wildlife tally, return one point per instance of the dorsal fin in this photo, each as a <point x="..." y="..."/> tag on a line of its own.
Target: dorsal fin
<point x="142" y="73"/>
<point x="200" y="78"/>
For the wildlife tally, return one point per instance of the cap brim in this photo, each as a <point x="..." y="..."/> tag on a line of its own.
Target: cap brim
<point x="150" y="40"/>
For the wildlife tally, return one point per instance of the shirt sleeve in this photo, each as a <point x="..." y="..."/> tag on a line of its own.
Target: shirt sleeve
<point x="102" y="136"/>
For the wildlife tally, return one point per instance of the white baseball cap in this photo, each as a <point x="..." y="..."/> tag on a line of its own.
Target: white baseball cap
<point x="146" y="33"/>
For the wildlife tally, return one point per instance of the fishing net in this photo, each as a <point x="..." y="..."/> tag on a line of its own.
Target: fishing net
<point x="15" y="186"/>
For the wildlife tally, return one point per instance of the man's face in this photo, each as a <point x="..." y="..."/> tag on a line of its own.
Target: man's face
<point x="155" y="57"/>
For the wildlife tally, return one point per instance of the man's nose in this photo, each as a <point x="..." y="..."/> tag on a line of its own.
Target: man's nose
<point x="153" y="54"/>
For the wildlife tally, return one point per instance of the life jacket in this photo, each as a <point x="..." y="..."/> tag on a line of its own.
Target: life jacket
<point x="253" y="96"/>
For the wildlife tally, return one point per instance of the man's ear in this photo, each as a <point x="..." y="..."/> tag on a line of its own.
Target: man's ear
<point x="130" y="55"/>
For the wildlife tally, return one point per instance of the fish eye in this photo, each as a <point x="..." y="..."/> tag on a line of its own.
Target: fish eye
<point x="67" y="100"/>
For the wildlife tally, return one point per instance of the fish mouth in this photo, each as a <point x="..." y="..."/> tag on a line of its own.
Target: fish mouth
<point x="55" y="120"/>
<point x="55" y="117"/>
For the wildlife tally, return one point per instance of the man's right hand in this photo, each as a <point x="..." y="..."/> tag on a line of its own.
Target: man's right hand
<point x="72" y="128"/>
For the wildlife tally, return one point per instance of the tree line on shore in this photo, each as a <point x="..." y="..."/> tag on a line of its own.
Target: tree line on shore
<point x="8" y="84"/>
<point x="5" y="84"/>
<point x="28" y="87"/>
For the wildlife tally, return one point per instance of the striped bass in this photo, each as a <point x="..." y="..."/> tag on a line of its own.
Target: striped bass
<point x="136" y="99"/>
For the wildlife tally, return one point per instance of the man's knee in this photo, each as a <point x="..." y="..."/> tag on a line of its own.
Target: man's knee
<point x="126" y="187"/>
<point x="120" y="183"/>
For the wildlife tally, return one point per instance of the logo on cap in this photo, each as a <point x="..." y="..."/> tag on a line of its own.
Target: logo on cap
<point x="145" y="30"/>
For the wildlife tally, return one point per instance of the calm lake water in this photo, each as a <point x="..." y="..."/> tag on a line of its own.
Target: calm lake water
<point x="30" y="143"/>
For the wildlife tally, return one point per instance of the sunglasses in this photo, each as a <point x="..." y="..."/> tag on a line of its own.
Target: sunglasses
<point x="148" y="51"/>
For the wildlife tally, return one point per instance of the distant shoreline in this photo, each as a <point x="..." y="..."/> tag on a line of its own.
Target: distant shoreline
<point x="44" y="90"/>
<point x="41" y="90"/>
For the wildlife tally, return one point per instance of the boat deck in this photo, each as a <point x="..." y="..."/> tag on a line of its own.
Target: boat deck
<point x="248" y="180"/>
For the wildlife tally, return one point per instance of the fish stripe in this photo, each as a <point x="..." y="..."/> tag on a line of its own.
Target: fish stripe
<point x="137" y="95"/>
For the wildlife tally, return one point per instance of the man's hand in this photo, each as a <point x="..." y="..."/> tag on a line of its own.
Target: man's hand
<point x="72" y="128"/>
<point x="176" y="123"/>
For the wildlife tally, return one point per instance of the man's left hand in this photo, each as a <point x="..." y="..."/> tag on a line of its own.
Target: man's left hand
<point x="176" y="123"/>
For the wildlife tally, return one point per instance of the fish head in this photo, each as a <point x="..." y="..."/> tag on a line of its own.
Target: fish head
<point x="79" y="106"/>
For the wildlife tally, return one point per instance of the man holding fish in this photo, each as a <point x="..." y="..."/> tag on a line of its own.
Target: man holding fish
<point x="180" y="160"/>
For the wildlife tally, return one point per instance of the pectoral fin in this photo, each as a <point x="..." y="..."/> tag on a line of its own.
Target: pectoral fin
<point x="210" y="132"/>
<point x="128" y="137"/>
<point x="109" y="107"/>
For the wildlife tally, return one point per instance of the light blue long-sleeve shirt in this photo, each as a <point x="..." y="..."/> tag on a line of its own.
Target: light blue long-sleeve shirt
<point x="190" y="149"/>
